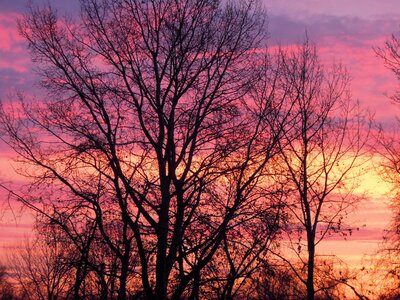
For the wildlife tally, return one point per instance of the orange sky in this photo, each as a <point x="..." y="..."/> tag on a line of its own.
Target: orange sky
<point x="344" y="31"/>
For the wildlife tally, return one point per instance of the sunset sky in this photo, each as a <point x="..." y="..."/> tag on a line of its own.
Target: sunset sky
<point x="344" y="31"/>
<point x="347" y="32"/>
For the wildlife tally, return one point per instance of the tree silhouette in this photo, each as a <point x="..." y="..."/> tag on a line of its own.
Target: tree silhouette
<point x="169" y="150"/>
<point x="6" y="288"/>
<point x="159" y="124"/>
<point x="41" y="268"/>
<point x="387" y="147"/>
<point x="322" y="152"/>
<point x="388" y="255"/>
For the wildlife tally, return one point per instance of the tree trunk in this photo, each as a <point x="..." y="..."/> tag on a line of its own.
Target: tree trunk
<point x="161" y="260"/>
<point x="310" y="268"/>
<point x="161" y="276"/>
<point x="123" y="278"/>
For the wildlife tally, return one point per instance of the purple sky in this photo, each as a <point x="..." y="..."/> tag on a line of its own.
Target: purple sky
<point x="345" y="31"/>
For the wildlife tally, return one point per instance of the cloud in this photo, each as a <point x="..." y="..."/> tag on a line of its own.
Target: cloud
<point x="371" y="82"/>
<point x="350" y="40"/>
<point x="12" y="80"/>
<point x="10" y="39"/>
<point x="15" y="63"/>
<point x="20" y="6"/>
<point x="366" y="9"/>
<point x="350" y="30"/>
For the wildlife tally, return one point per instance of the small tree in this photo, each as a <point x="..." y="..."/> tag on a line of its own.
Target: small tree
<point x="6" y="288"/>
<point x="387" y="259"/>
<point x="321" y="153"/>
<point x="387" y="147"/>
<point x="41" y="268"/>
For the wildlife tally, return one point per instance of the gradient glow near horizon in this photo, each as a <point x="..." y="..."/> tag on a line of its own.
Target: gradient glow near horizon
<point x="344" y="31"/>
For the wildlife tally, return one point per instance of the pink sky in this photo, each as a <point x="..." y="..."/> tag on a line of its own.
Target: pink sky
<point x="347" y="32"/>
<point x="344" y="31"/>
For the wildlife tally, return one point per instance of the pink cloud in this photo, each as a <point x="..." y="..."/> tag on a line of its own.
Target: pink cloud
<point x="371" y="82"/>
<point x="15" y="63"/>
<point x="9" y="33"/>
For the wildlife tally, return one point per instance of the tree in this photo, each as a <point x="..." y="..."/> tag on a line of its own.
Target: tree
<point x="390" y="53"/>
<point x="6" y="288"/>
<point x="322" y="152"/>
<point x="387" y="147"/>
<point x="244" y="254"/>
<point x="41" y="269"/>
<point x="277" y="282"/>
<point x="146" y="142"/>
<point x="387" y="257"/>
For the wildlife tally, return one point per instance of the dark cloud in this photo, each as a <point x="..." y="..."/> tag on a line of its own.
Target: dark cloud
<point x="12" y="80"/>
<point x="354" y="31"/>
<point x="20" y="6"/>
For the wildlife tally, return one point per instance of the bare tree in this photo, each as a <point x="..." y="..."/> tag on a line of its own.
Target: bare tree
<point x="387" y="257"/>
<point x="260" y="215"/>
<point x="40" y="268"/>
<point x="321" y="152"/>
<point x="387" y="147"/>
<point x="6" y="288"/>
<point x="93" y="267"/>
<point x="277" y="281"/>
<point x="146" y="142"/>
<point x="390" y="53"/>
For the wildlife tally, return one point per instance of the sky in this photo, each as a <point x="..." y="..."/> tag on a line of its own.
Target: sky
<point x="344" y="31"/>
<point x="348" y="32"/>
